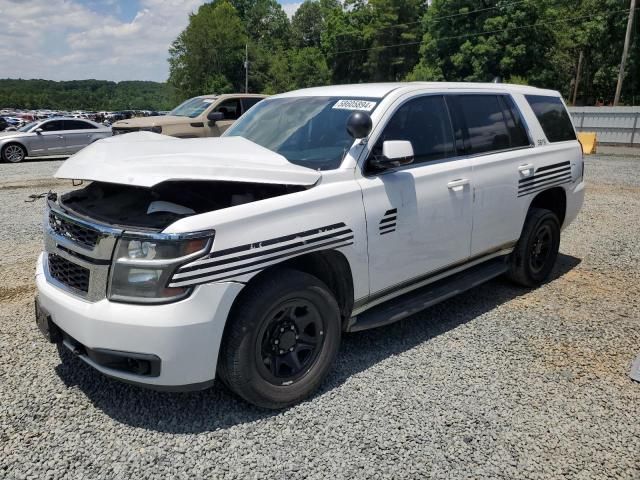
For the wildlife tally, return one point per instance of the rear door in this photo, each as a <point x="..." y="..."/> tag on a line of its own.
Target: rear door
<point x="78" y="135"/>
<point x="499" y="149"/>
<point x="418" y="216"/>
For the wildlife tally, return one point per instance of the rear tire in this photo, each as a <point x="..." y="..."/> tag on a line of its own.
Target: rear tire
<point x="536" y="252"/>
<point x="13" y="153"/>
<point x="281" y="340"/>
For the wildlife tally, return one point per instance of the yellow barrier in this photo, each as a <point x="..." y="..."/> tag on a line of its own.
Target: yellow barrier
<point x="588" y="141"/>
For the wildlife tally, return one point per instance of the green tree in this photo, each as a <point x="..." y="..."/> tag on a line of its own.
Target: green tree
<point x="296" y="69"/>
<point x="307" y="25"/>
<point x="209" y="53"/>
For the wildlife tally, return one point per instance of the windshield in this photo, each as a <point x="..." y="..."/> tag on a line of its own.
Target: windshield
<point x="193" y="107"/>
<point x="27" y="127"/>
<point x="307" y="131"/>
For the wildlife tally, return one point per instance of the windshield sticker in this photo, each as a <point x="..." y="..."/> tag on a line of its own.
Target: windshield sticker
<point x="208" y="100"/>
<point x="354" y="105"/>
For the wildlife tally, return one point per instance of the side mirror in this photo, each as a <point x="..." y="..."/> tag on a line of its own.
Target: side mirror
<point x="395" y="153"/>
<point x="38" y="130"/>
<point x="213" y="117"/>
<point x="359" y="125"/>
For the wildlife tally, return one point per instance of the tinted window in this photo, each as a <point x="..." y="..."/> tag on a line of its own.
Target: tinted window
<point x="517" y="132"/>
<point x="230" y="108"/>
<point x="483" y="121"/>
<point x="553" y="117"/>
<point x="247" y="103"/>
<point x="77" y="125"/>
<point x="423" y="121"/>
<point x="53" y="126"/>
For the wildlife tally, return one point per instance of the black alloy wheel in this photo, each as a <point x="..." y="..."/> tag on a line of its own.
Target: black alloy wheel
<point x="281" y="338"/>
<point x="536" y="252"/>
<point x="290" y="341"/>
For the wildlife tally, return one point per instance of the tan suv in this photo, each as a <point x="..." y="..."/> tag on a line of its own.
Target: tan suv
<point x="203" y="116"/>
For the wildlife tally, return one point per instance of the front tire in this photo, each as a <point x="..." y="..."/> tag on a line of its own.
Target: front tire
<point x="13" y="153"/>
<point x="536" y="252"/>
<point x="282" y="339"/>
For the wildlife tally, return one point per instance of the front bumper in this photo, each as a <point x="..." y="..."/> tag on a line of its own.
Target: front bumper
<point x="184" y="335"/>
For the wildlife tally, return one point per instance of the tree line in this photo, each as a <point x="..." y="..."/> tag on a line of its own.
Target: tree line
<point x="535" y="42"/>
<point x="86" y="95"/>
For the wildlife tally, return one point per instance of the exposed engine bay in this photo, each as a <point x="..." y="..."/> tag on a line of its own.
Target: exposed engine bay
<point x="159" y="206"/>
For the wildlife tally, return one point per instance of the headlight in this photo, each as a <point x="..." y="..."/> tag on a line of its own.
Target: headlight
<point x="157" y="129"/>
<point x="143" y="265"/>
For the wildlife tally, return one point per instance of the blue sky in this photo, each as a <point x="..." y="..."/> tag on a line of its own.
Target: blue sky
<point x="103" y="39"/>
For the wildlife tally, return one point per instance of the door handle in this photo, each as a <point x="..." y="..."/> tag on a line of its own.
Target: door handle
<point x="526" y="168"/>
<point x="60" y="136"/>
<point x="461" y="182"/>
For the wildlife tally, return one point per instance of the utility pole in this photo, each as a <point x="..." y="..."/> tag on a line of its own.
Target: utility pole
<point x="627" y="39"/>
<point x="246" y="67"/>
<point x="575" y="87"/>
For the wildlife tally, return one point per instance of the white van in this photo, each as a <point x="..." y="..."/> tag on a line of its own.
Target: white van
<point x="320" y="211"/>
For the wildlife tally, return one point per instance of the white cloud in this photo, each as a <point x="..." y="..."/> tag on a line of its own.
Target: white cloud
<point x="62" y="40"/>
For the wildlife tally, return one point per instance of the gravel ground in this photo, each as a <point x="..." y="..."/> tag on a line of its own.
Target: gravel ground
<point x="499" y="382"/>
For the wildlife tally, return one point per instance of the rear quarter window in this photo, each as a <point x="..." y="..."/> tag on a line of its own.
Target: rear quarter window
<point x="553" y="117"/>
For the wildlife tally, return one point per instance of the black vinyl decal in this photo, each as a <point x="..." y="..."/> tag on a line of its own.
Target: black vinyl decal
<point x="552" y="176"/>
<point x="206" y="270"/>
<point x="388" y="222"/>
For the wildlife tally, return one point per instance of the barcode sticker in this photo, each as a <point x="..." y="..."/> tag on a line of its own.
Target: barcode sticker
<point x="364" y="105"/>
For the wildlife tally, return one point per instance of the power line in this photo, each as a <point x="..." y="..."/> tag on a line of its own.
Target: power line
<point x="442" y="17"/>
<point x="477" y="34"/>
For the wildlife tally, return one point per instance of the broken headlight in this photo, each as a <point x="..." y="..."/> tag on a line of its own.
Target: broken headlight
<point x="143" y="265"/>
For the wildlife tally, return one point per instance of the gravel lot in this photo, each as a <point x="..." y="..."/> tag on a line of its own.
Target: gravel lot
<point x="499" y="382"/>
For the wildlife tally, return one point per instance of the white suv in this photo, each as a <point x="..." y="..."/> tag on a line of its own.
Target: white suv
<point x="320" y="211"/>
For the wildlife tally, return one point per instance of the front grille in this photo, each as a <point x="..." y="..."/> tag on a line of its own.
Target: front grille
<point x="68" y="273"/>
<point x="120" y="130"/>
<point x="83" y="236"/>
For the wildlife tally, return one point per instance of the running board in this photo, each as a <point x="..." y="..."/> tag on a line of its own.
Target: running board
<point x="413" y="302"/>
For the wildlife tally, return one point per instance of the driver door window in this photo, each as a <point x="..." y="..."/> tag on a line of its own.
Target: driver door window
<point x="53" y="126"/>
<point x="424" y="122"/>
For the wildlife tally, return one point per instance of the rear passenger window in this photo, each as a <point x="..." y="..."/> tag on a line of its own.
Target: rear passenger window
<point x="517" y="132"/>
<point x="485" y="124"/>
<point x="249" y="102"/>
<point x="423" y="121"/>
<point x="553" y="117"/>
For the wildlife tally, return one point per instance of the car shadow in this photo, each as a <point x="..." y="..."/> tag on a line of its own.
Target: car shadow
<point x="217" y="408"/>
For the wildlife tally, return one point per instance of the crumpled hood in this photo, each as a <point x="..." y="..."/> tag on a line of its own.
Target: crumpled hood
<point x="146" y="159"/>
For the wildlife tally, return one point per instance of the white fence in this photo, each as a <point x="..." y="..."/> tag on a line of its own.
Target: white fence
<point x="613" y="125"/>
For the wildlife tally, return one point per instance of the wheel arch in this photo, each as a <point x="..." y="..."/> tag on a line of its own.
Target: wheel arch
<point x="553" y="199"/>
<point x="330" y="266"/>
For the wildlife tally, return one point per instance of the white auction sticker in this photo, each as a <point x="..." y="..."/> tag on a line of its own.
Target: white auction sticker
<point x="364" y="105"/>
<point x="208" y="100"/>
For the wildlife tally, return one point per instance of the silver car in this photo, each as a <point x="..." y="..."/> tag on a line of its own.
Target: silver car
<point x="53" y="136"/>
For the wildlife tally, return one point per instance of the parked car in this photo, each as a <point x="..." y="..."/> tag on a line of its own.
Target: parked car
<point x="320" y="211"/>
<point x="56" y="136"/>
<point x="204" y="116"/>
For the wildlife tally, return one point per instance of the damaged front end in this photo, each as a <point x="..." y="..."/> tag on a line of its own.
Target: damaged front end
<point x="106" y="240"/>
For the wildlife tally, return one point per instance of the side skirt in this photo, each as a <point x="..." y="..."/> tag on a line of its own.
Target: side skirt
<point x="417" y="300"/>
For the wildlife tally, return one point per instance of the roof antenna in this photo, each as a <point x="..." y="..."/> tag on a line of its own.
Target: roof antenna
<point x="496" y="80"/>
